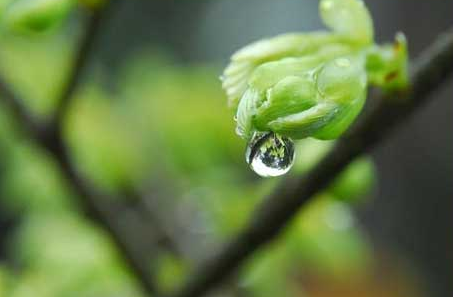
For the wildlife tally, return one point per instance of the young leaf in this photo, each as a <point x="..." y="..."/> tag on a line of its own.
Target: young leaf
<point x="348" y="17"/>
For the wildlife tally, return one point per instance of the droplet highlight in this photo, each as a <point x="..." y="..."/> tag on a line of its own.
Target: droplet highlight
<point x="269" y="154"/>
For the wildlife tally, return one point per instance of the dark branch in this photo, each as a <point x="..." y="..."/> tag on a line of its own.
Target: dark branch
<point x="429" y="72"/>
<point x="29" y="121"/>
<point x="80" y="61"/>
<point x="97" y="206"/>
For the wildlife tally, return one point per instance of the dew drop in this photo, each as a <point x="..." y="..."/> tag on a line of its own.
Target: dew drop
<point x="270" y="154"/>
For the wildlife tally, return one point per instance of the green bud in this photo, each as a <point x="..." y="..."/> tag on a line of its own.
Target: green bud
<point x="313" y="84"/>
<point x="343" y="81"/>
<point x="318" y="101"/>
<point x="290" y="95"/>
<point x="36" y="15"/>
<point x="247" y="60"/>
<point x="387" y="65"/>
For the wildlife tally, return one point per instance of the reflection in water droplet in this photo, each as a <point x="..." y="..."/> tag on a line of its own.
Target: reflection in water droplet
<point x="270" y="154"/>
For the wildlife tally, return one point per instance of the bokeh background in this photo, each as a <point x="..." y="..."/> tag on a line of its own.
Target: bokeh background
<point x="150" y="115"/>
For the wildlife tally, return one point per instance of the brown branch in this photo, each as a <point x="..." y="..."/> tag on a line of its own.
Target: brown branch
<point x="430" y="71"/>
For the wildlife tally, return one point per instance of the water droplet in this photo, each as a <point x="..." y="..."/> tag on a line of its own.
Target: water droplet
<point x="270" y="154"/>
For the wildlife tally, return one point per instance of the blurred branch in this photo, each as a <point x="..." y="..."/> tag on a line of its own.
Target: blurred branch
<point x="80" y="61"/>
<point x="29" y="121"/>
<point x="82" y="55"/>
<point x="167" y="237"/>
<point x="429" y="72"/>
<point x="96" y="205"/>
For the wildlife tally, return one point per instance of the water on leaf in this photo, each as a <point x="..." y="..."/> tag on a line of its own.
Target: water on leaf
<point x="270" y="154"/>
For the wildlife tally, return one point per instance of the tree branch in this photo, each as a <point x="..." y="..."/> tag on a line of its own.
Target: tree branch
<point x="29" y="121"/>
<point x="96" y="206"/>
<point x="80" y="61"/>
<point x="429" y="72"/>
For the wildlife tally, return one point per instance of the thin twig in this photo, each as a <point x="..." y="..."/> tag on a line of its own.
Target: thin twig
<point x="430" y="71"/>
<point x="95" y="205"/>
<point x="80" y="61"/>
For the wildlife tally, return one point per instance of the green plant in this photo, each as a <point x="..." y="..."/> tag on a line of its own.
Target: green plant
<point x="301" y="85"/>
<point x="97" y="147"/>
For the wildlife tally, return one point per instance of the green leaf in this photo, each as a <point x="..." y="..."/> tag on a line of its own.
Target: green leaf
<point x="245" y="61"/>
<point x="343" y="81"/>
<point x="387" y="65"/>
<point x="348" y="17"/>
<point x="291" y="95"/>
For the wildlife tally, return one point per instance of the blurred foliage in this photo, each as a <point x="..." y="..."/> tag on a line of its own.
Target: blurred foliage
<point x="63" y="255"/>
<point x="324" y="239"/>
<point x="164" y="124"/>
<point x="32" y="16"/>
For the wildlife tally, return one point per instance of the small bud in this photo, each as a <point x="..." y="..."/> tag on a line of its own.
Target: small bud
<point x="387" y="64"/>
